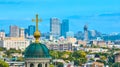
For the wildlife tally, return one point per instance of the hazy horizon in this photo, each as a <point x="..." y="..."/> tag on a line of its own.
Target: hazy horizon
<point x="103" y="15"/>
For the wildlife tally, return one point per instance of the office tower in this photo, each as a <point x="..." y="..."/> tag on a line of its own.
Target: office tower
<point x="64" y="27"/>
<point x="14" y="31"/>
<point x="86" y="33"/>
<point x="21" y="32"/>
<point x="26" y="32"/>
<point x="31" y="30"/>
<point x="55" y="27"/>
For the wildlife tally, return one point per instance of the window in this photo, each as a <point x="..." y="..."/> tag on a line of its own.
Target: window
<point x="31" y="65"/>
<point x="39" y="65"/>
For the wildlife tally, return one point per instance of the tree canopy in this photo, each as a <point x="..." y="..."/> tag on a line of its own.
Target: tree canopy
<point x="3" y="64"/>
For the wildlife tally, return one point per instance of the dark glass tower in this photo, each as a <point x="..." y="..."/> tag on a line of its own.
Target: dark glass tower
<point x="86" y="33"/>
<point x="64" y="27"/>
<point x="31" y="30"/>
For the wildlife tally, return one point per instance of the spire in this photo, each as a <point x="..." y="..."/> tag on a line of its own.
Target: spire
<point x="37" y="33"/>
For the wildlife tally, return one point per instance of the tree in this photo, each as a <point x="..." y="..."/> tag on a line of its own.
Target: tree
<point x="20" y="59"/>
<point x="79" y="57"/>
<point x="3" y="64"/>
<point x="2" y="49"/>
<point x="51" y="65"/>
<point x="117" y="64"/>
<point x="54" y="54"/>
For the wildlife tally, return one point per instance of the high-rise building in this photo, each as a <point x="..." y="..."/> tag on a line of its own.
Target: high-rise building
<point x="26" y="32"/>
<point x="64" y="27"/>
<point x="31" y="30"/>
<point x="2" y="34"/>
<point x="86" y="33"/>
<point x="21" y="32"/>
<point x="55" y="27"/>
<point x="14" y="31"/>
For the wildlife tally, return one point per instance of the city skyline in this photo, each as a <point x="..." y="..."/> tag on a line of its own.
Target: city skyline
<point x="99" y="15"/>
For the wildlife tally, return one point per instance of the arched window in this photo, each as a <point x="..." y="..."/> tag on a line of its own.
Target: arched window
<point x="39" y="65"/>
<point x="31" y="65"/>
<point x="46" y="65"/>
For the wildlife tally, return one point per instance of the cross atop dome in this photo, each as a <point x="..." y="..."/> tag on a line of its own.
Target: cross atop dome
<point x="37" y="33"/>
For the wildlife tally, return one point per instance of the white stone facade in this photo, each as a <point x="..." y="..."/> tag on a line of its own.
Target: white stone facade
<point x="37" y="62"/>
<point x="15" y="43"/>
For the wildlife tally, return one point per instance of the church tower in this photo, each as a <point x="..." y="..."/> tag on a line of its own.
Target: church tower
<point x="37" y="54"/>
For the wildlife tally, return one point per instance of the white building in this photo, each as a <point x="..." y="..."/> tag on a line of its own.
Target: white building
<point x="21" y="32"/>
<point x="2" y="34"/>
<point x="14" y="42"/>
<point x="55" y="27"/>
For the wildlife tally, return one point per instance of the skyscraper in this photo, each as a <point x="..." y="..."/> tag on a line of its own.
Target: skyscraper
<point x="31" y="30"/>
<point x="64" y="27"/>
<point x="86" y="33"/>
<point x="26" y="32"/>
<point x="21" y="32"/>
<point x="55" y="27"/>
<point x="14" y="31"/>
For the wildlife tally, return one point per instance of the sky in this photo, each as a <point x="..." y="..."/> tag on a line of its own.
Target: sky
<point x="100" y="15"/>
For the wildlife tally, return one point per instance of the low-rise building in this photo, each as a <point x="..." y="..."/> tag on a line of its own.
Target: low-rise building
<point x="14" y="42"/>
<point x="95" y="50"/>
<point x="117" y="57"/>
<point x="61" y="47"/>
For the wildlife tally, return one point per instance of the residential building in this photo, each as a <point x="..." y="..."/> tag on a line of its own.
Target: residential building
<point x="14" y="31"/>
<point x="117" y="57"/>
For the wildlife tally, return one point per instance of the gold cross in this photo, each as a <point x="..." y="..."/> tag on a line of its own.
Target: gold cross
<point x="37" y="20"/>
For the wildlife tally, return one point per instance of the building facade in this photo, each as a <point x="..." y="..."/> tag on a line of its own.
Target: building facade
<point x="60" y="47"/>
<point x="21" y="32"/>
<point x="117" y="57"/>
<point x="14" y="31"/>
<point x="2" y="34"/>
<point x="86" y="33"/>
<point x="55" y="27"/>
<point x="31" y="30"/>
<point x="14" y="42"/>
<point x="64" y="27"/>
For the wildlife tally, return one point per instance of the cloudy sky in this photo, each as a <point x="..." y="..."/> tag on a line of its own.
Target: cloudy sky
<point x="101" y="15"/>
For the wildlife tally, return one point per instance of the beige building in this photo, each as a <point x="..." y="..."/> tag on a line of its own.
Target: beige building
<point x="14" y="42"/>
<point x="117" y="57"/>
<point x="21" y="32"/>
<point x="81" y="42"/>
<point x="99" y="43"/>
<point x="97" y="64"/>
<point x="72" y="40"/>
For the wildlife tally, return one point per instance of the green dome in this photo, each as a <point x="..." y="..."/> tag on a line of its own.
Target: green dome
<point x="37" y="50"/>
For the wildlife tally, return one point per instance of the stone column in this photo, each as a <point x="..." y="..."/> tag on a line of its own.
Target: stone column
<point x="47" y="64"/>
<point x="43" y="64"/>
<point x="28" y="64"/>
<point x="36" y="64"/>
